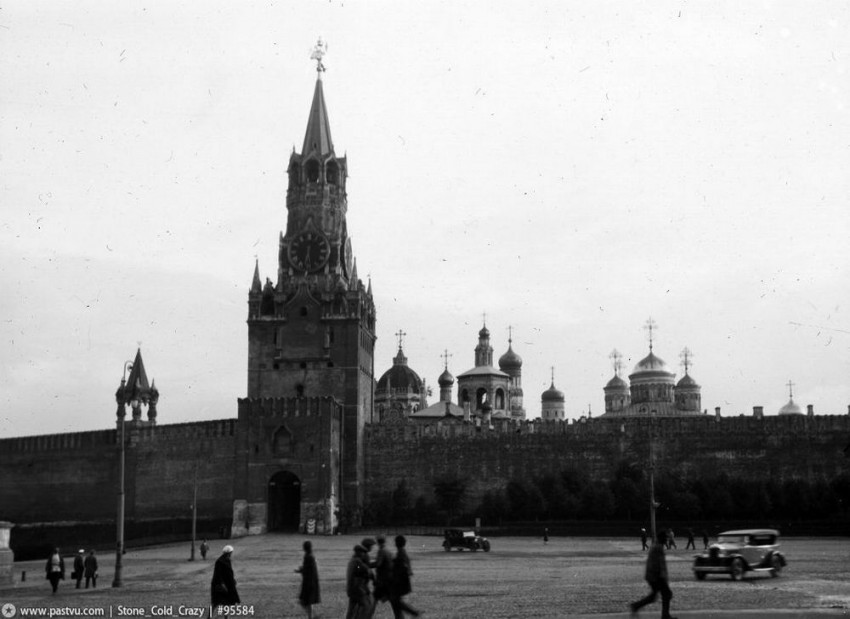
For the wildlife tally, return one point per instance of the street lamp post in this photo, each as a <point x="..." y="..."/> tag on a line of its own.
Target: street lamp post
<point x="652" y="503"/>
<point x="119" y="546"/>
<point x="194" y="511"/>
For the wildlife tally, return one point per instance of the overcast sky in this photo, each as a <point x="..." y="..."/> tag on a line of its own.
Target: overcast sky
<point x="569" y="168"/>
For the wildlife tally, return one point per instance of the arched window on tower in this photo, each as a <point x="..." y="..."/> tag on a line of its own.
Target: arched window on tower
<point x="332" y="173"/>
<point x="480" y="397"/>
<point x="500" y="399"/>
<point x="312" y="169"/>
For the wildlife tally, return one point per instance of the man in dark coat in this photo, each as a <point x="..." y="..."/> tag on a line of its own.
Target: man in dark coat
<point x="691" y="540"/>
<point x="77" y="574"/>
<point x="223" y="586"/>
<point x="643" y="539"/>
<point x="90" y="566"/>
<point x="401" y="581"/>
<point x="55" y="569"/>
<point x="656" y="576"/>
<point x="383" y="565"/>
<point x="357" y="577"/>
<point x="309" y="571"/>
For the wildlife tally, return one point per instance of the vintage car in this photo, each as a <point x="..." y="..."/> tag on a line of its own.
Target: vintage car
<point x="738" y="552"/>
<point x="460" y="539"/>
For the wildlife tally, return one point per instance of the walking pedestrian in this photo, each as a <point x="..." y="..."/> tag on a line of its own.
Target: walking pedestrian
<point x="704" y="539"/>
<point x="223" y="586"/>
<point x="671" y="539"/>
<point x="204" y="549"/>
<point x="656" y="576"/>
<point x="643" y="539"/>
<point x="309" y="571"/>
<point x="357" y="577"/>
<point x="383" y="565"/>
<point x="90" y="567"/>
<point x="55" y="569"/>
<point x="401" y="581"/>
<point x="77" y="574"/>
<point x="545" y="536"/>
<point x="691" y="540"/>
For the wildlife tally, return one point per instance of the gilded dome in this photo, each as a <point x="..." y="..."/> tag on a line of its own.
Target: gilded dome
<point x="687" y="381"/>
<point x="510" y="360"/>
<point x="552" y="395"/>
<point x="617" y="383"/>
<point x="650" y="363"/>
<point x="792" y="408"/>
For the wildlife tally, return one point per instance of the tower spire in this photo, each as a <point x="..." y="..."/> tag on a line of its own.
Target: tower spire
<point x="317" y="139"/>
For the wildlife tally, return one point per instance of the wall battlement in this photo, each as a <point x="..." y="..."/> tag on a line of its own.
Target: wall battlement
<point x="705" y="424"/>
<point x="58" y="442"/>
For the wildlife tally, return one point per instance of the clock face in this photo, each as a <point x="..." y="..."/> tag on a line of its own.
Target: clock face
<point x="347" y="258"/>
<point x="309" y="251"/>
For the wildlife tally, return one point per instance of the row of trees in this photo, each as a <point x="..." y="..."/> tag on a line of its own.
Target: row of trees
<point x="573" y="495"/>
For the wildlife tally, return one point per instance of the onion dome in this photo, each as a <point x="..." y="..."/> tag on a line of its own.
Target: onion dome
<point x="446" y="379"/>
<point x="400" y="376"/>
<point x="552" y="394"/>
<point x="510" y="360"/>
<point x="617" y="383"/>
<point x="484" y="333"/>
<point x="792" y="408"/>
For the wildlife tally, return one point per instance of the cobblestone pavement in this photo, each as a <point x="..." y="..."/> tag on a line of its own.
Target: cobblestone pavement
<point x="521" y="577"/>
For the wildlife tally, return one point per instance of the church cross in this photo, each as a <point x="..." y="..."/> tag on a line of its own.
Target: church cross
<point x="553" y="374"/>
<point x="616" y="358"/>
<point x="400" y="335"/>
<point x="649" y="326"/>
<point x="510" y="334"/>
<point x="484" y="318"/>
<point x="686" y="355"/>
<point x="790" y="389"/>
<point x="446" y="356"/>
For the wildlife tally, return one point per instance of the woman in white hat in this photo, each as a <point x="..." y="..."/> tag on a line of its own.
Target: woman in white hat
<point x="223" y="587"/>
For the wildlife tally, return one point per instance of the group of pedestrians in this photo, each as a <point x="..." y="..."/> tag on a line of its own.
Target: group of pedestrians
<point x="385" y="578"/>
<point x="669" y="540"/>
<point x="390" y="575"/>
<point x="84" y="567"/>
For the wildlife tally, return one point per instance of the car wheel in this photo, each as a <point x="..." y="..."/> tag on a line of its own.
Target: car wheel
<point x="700" y="575"/>
<point x="486" y="546"/>
<point x="737" y="571"/>
<point x="775" y="565"/>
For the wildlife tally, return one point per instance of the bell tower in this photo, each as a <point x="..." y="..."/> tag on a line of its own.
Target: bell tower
<point x="311" y="334"/>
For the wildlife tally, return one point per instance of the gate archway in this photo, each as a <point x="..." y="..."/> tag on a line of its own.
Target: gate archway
<point x="284" y="502"/>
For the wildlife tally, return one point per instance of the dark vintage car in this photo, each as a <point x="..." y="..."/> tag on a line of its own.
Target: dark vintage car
<point x="738" y="552"/>
<point x="460" y="539"/>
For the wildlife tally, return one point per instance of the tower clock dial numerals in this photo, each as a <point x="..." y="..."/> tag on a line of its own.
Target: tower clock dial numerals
<point x="309" y="251"/>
